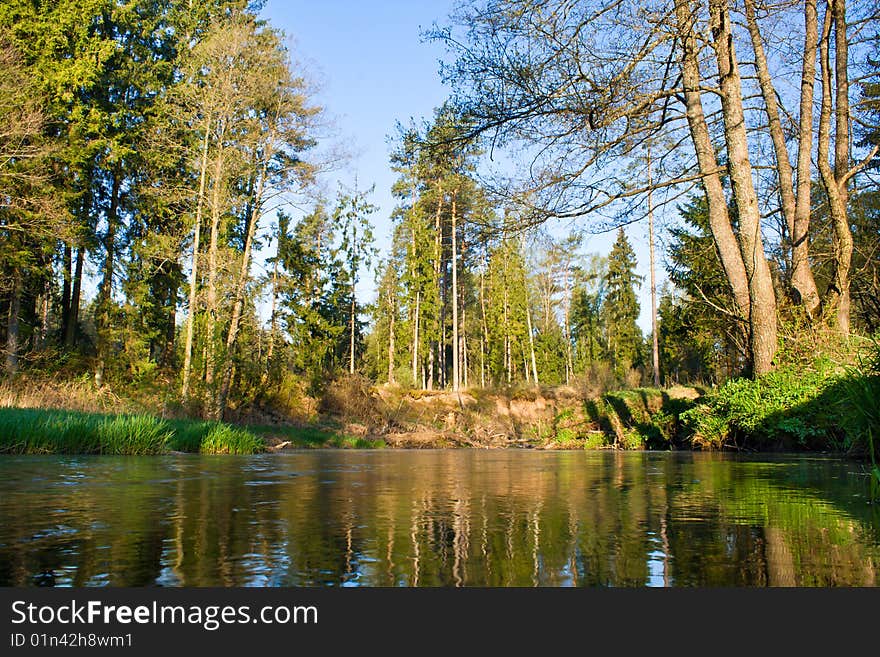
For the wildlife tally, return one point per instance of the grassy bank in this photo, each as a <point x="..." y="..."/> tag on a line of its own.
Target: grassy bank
<point x="808" y="403"/>
<point x="38" y="431"/>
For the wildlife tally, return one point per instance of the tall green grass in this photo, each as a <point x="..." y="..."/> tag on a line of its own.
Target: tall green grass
<point x="37" y="431"/>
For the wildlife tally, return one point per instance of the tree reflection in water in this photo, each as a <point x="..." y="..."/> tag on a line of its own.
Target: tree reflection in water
<point x="437" y="518"/>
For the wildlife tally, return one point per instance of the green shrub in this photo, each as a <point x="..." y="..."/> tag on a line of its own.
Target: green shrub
<point x="595" y="440"/>
<point x="785" y="408"/>
<point x="632" y="439"/>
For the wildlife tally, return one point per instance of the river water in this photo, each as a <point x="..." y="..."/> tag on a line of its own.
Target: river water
<point x="437" y="518"/>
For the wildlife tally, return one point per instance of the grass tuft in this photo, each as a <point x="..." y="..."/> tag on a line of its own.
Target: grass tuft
<point x="36" y="431"/>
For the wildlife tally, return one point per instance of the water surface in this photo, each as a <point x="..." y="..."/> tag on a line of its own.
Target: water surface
<point x="437" y="518"/>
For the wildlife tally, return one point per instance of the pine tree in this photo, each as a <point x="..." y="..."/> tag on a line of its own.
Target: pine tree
<point x="623" y="338"/>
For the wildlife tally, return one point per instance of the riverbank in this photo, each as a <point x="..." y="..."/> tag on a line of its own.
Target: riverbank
<point x="816" y="405"/>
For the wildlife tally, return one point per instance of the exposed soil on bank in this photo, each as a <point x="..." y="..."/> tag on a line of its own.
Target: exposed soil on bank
<point x="353" y="413"/>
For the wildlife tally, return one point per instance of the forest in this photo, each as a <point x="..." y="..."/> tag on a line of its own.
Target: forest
<point x="167" y="247"/>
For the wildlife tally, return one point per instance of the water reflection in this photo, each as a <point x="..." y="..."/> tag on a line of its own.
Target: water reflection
<point x="436" y="518"/>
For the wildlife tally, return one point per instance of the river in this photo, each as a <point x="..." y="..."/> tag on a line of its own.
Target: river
<point x="438" y="518"/>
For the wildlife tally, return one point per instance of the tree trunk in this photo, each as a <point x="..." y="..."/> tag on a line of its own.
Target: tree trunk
<point x="44" y="313"/>
<point x="771" y="107"/>
<point x="802" y="274"/>
<point x="67" y="274"/>
<point x="415" y="344"/>
<point x="416" y="314"/>
<point x="842" y="162"/>
<point x="211" y="297"/>
<point x="529" y="325"/>
<point x="655" y="339"/>
<point x="456" y="371"/>
<point x="105" y="293"/>
<point x="719" y="217"/>
<point x="393" y="310"/>
<point x="569" y="364"/>
<point x="72" y="327"/>
<point x="434" y="347"/>
<point x="837" y="296"/>
<point x="484" y="329"/>
<point x="12" y="324"/>
<point x="507" y="355"/>
<point x="193" y="276"/>
<point x="351" y="337"/>
<point x="169" y="358"/>
<point x="762" y="314"/>
<point x="240" y="287"/>
<point x="273" y="323"/>
<point x="531" y="343"/>
<point x="795" y="210"/>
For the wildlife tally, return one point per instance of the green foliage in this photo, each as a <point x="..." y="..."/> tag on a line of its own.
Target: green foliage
<point x="595" y="440"/>
<point x="632" y="439"/>
<point x="698" y="342"/>
<point x="226" y="439"/>
<point x="776" y="409"/>
<point x="620" y="309"/>
<point x="34" y="431"/>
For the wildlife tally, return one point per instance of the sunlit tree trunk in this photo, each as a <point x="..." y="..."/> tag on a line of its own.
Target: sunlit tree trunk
<point x="655" y="350"/>
<point x="240" y="285"/>
<point x="194" y="275"/>
<point x="842" y="161"/>
<point x="456" y="372"/>
<point x="762" y="309"/>
<point x="437" y="254"/>
<point x="393" y="310"/>
<point x="719" y="218"/>
<point x="531" y="342"/>
<point x="834" y="180"/>
<point x="415" y="344"/>
<point x="802" y="273"/>
<point x="569" y="363"/>
<point x="67" y="274"/>
<point x="352" y="320"/>
<point x="273" y="322"/>
<point x="802" y="276"/>
<point x="211" y="308"/>
<point x="484" y="329"/>
<point x="105" y="292"/>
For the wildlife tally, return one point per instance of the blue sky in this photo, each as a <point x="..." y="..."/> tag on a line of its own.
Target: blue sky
<point x="373" y="69"/>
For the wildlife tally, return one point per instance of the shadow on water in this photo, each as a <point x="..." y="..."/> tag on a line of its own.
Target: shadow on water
<point x="436" y="518"/>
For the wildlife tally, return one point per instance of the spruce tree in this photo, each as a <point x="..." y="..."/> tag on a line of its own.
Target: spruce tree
<point x="623" y="338"/>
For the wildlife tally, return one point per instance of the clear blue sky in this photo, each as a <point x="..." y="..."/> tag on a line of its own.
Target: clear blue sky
<point x="374" y="70"/>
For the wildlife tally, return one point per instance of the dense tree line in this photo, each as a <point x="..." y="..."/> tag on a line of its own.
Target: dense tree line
<point x="149" y="153"/>
<point x="149" y="140"/>
<point x="591" y="87"/>
<point x="468" y="297"/>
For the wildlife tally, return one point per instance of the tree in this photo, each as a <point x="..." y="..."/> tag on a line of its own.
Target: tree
<point x="699" y="337"/>
<point x="620" y="309"/>
<point x="29" y="221"/>
<point x="588" y="296"/>
<point x="584" y="107"/>
<point x="352" y="216"/>
<point x="314" y="295"/>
